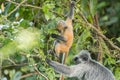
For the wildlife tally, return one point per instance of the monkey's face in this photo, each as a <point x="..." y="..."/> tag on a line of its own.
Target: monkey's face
<point x="83" y="56"/>
<point x="61" y="26"/>
<point x="78" y="59"/>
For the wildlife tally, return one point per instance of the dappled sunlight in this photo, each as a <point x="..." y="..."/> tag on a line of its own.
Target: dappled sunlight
<point x="25" y="40"/>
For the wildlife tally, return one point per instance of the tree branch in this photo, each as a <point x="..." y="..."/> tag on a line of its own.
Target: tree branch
<point x="16" y="8"/>
<point x="29" y="74"/>
<point x="99" y="32"/>
<point x="14" y="66"/>
<point x="100" y="54"/>
<point x="40" y="73"/>
<point x="26" y="5"/>
<point x="104" y="37"/>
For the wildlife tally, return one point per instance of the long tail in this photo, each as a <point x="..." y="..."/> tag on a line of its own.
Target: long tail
<point x="71" y="13"/>
<point x="63" y="60"/>
<point x="63" y="57"/>
<point x="61" y="77"/>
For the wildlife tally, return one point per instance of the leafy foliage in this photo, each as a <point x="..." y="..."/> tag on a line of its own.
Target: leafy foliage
<point x="26" y="25"/>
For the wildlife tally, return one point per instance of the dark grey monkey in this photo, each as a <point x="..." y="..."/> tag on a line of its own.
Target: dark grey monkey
<point x="85" y="69"/>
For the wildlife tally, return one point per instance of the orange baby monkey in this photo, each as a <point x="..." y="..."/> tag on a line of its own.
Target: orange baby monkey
<point x="64" y="41"/>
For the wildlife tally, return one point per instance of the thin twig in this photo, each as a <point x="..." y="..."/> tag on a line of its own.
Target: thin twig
<point x="78" y="1"/>
<point x="12" y="61"/>
<point x="16" y="8"/>
<point x="40" y="73"/>
<point x="26" y="5"/>
<point x="14" y="66"/>
<point x="61" y="15"/>
<point x="83" y="17"/>
<point x="29" y="74"/>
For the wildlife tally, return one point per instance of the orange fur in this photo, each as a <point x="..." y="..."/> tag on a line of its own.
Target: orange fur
<point x="64" y="47"/>
<point x="67" y="34"/>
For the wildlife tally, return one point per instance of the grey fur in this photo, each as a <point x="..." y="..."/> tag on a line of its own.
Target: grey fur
<point x="86" y="69"/>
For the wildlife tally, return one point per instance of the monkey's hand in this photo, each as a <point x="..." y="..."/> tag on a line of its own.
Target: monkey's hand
<point x="50" y="51"/>
<point x="58" y="37"/>
<point x="72" y="3"/>
<point x="60" y="68"/>
<point x="48" y="60"/>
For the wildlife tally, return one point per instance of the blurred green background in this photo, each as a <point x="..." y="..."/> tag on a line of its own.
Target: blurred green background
<point x="26" y="25"/>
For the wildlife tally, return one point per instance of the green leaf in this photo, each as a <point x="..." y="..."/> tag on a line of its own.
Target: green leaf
<point x="111" y="21"/>
<point x="25" y="24"/>
<point x="93" y="6"/>
<point x="102" y="4"/>
<point x="17" y="76"/>
<point x="118" y="39"/>
<point x="46" y="7"/>
<point x="83" y="39"/>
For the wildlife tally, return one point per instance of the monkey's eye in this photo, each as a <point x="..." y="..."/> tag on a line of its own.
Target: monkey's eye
<point x="76" y="58"/>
